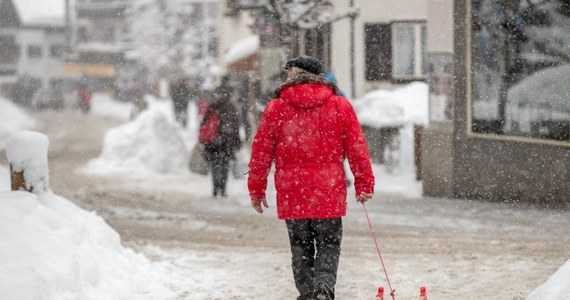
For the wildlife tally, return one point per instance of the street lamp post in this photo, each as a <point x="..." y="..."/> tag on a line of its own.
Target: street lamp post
<point x="352" y="54"/>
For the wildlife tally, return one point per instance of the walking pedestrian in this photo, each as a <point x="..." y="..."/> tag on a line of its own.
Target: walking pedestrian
<point x="308" y="130"/>
<point x="222" y="117"/>
<point x="84" y="97"/>
<point x="180" y="93"/>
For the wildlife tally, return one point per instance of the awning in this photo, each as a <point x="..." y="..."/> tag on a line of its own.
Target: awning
<point x="241" y="49"/>
<point x="91" y="70"/>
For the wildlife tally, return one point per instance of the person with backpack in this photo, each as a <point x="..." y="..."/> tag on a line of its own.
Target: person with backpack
<point x="219" y="132"/>
<point x="308" y="130"/>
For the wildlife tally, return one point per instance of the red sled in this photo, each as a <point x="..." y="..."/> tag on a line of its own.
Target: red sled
<point x="380" y="294"/>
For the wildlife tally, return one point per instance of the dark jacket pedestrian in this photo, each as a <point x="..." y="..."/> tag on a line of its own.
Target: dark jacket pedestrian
<point x="308" y="130"/>
<point x="227" y="142"/>
<point x="180" y="93"/>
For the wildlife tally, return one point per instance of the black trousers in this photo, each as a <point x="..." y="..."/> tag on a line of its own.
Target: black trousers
<point x="315" y="249"/>
<point x="219" y="164"/>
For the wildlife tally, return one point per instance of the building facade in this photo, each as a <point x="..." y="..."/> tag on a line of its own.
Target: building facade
<point x="32" y="42"/>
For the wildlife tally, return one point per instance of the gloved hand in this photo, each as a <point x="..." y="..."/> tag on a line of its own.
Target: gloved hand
<point x="256" y="204"/>
<point x="363" y="197"/>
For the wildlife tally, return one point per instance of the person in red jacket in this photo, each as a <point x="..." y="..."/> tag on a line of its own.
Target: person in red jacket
<point x="307" y="131"/>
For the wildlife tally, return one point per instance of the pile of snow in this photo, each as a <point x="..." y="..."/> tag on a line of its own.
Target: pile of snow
<point x="13" y="119"/>
<point x="27" y="151"/>
<point x="52" y="249"/>
<point x="151" y="144"/>
<point x="32" y="12"/>
<point x="404" y="105"/>
<point x="556" y="287"/>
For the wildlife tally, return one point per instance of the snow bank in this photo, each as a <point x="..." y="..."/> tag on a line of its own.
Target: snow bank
<point x="27" y="151"/>
<point x="556" y="287"/>
<point x="383" y="108"/>
<point x="13" y="119"/>
<point x="32" y="12"/>
<point x="151" y="144"/>
<point x="52" y="249"/>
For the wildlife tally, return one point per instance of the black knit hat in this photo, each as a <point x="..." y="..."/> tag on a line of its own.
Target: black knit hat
<point x="307" y="63"/>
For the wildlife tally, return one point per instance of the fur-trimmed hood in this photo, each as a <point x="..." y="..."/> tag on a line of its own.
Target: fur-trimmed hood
<point x="306" y="90"/>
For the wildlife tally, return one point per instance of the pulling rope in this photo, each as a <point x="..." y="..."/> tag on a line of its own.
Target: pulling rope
<point x="392" y="291"/>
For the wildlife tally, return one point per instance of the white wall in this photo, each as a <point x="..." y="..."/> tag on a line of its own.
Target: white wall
<point x="45" y="67"/>
<point x="231" y="30"/>
<point x="438" y="12"/>
<point x="440" y="26"/>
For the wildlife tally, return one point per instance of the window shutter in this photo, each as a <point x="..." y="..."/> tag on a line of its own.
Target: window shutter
<point x="378" y="51"/>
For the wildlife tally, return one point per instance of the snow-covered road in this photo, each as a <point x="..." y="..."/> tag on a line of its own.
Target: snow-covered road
<point x="221" y="249"/>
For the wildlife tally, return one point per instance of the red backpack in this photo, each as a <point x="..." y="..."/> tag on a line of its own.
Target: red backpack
<point x="209" y="128"/>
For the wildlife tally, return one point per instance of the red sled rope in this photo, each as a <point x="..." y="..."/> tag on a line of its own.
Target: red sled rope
<point x="392" y="291"/>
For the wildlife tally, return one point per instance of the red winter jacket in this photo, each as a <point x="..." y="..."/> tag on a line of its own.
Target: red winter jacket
<point x="308" y="131"/>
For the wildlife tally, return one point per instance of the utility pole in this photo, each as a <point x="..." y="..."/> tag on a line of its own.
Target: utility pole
<point x="352" y="54"/>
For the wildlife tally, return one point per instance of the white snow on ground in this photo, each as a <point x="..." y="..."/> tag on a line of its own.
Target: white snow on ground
<point x="52" y="249"/>
<point x="12" y="119"/>
<point x="43" y="237"/>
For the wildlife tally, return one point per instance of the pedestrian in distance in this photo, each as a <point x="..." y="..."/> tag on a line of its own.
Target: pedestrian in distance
<point x="219" y="132"/>
<point x="330" y="76"/>
<point x="308" y="130"/>
<point x="180" y="93"/>
<point x="84" y="96"/>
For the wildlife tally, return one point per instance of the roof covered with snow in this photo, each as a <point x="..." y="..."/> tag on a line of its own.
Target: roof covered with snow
<point x="242" y="49"/>
<point x="41" y="12"/>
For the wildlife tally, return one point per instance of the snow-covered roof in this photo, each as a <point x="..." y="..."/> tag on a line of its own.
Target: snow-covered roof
<point x="101" y="47"/>
<point x="41" y="12"/>
<point x="241" y="49"/>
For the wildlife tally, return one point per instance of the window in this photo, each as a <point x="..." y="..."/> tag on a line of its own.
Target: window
<point x="34" y="51"/>
<point x="395" y="51"/>
<point x="408" y="46"/>
<point x="378" y="51"/>
<point x="56" y="51"/>
<point x="520" y="69"/>
<point x="10" y="50"/>
<point x="232" y="8"/>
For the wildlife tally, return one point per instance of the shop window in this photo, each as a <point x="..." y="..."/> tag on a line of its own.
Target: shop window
<point x="520" y="69"/>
